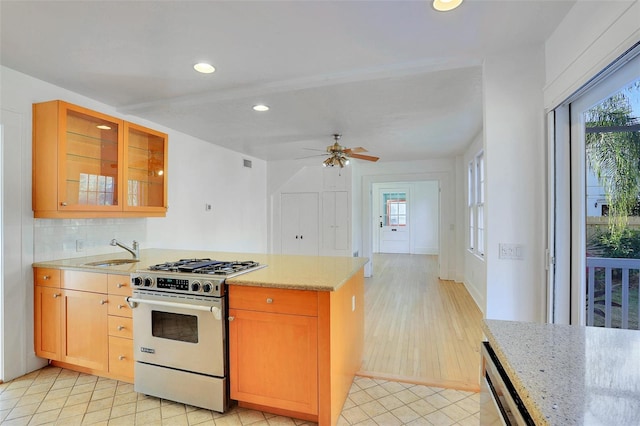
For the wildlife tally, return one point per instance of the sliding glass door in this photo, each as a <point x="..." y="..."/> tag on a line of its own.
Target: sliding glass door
<point x="597" y="204"/>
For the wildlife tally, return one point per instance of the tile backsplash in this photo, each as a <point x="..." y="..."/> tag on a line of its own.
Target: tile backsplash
<point x="66" y="238"/>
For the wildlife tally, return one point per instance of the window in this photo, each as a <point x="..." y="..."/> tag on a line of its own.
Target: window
<point x="480" y="203"/>
<point x="471" y="202"/>
<point x="396" y="209"/>
<point x="476" y="204"/>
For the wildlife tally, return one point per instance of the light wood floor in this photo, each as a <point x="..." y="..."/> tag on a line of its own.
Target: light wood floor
<point x="419" y="328"/>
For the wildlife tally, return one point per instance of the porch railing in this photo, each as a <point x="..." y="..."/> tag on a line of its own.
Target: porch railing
<point x="612" y="292"/>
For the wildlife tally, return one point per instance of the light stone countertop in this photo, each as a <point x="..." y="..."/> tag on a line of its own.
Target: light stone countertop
<point x="571" y="375"/>
<point x="323" y="273"/>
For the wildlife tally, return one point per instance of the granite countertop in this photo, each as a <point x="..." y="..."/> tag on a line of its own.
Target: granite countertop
<point x="323" y="273"/>
<point x="571" y="375"/>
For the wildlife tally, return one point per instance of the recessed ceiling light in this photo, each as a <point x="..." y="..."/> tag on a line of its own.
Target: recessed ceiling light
<point x="260" y="108"/>
<point x="446" y="5"/>
<point x="103" y="127"/>
<point x="204" y="68"/>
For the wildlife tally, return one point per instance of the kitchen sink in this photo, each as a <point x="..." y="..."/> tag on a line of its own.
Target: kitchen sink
<point x="111" y="262"/>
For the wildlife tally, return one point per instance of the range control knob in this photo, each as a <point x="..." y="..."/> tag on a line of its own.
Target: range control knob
<point x="148" y="282"/>
<point x="206" y="287"/>
<point x="137" y="281"/>
<point x="195" y="286"/>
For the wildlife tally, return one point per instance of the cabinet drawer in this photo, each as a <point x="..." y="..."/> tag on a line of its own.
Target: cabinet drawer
<point x="121" y="356"/>
<point x="121" y="327"/>
<point x="84" y="281"/>
<point x="264" y="299"/>
<point x="46" y="277"/>
<point x="119" y="284"/>
<point x="118" y="306"/>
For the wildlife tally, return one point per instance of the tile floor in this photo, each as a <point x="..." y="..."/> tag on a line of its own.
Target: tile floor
<point x="55" y="396"/>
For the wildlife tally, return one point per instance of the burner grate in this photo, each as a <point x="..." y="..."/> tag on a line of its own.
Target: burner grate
<point x="205" y="266"/>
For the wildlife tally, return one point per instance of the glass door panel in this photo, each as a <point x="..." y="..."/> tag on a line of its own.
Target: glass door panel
<point x="90" y="161"/>
<point x="146" y="168"/>
<point x="612" y="148"/>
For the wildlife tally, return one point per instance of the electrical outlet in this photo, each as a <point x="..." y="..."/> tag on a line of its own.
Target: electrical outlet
<point x="511" y="251"/>
<point x="79" y="245"/>
<point x="207" y="207"/>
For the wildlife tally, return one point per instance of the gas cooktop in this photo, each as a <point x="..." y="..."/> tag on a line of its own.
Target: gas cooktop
<point x="204" y="277"/>
<point x="205" y="266"/>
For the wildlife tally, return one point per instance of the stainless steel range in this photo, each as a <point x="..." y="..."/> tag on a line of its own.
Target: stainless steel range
<point x="180" y="330"/>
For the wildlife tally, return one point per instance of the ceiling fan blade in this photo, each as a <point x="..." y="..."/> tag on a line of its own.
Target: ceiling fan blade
<point x="312" y="156"/>
<point x="314" y="149"/>
<point x="364" y="157"/>
<point x="356" y="149"/>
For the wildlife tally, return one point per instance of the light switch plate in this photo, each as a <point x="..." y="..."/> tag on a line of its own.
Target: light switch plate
<point x="511" y="251"/>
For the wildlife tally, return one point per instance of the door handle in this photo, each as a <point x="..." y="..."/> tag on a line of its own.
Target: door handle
<point x="380" y="224"/>
<point x="394" y="230"/>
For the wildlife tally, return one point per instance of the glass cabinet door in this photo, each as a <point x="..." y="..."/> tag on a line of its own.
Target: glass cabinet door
<point x="89" y="161"/>
<point x="146" y="164"/>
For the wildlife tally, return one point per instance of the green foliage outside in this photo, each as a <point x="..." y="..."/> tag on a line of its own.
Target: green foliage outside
<point x="614" y="154"/>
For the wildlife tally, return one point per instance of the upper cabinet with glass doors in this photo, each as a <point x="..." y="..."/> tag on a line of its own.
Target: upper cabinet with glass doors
<point x="88" y="164"/>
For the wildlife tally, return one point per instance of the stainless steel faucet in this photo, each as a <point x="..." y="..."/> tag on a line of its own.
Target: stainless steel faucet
<point x="135" y="250"/>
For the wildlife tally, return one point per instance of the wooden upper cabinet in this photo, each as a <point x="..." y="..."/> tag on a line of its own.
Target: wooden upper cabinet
<point x="89" y="164"/>
<point x="145" y="157"/>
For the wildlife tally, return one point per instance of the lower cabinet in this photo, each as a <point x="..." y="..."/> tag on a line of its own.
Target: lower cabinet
<point x="274" y="360"/>
<point x="84" y="331"/>
<point x="295" y="352"/>
<point x="47" y="320"/>
<point x="273" y="350"/>
<point x="73" y="326"/>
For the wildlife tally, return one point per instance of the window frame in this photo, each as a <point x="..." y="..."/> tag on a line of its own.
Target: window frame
<point x="475" y="203"/>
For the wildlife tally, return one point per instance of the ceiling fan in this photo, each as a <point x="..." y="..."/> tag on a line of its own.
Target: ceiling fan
<point x="339" y="155"/>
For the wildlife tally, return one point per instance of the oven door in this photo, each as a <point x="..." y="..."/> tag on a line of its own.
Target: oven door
<point x="180" y="332"/>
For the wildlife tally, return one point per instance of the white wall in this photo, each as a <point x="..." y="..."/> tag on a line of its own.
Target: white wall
<point x="198" y="173"/>
<point x="514" y="150"/>
<point x="472" y="268"/>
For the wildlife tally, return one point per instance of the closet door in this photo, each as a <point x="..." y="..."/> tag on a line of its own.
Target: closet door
<point x="335" y="223"/>
<point x="299" y="223"/>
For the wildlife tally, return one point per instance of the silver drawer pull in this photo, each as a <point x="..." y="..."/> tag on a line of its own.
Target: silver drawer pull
<point x="232" y="318"/>
<point x="46" y="277"/>
<point x="269" y="300"/>
<point x="121" y="358"/>
<point x="102" y="302"/>
<point x="63" y="204"/>
<point x="120" y="285"/>
<point x="120" y="327"/>
<point x="120" y="306"/>
<point x="56" y="295"/>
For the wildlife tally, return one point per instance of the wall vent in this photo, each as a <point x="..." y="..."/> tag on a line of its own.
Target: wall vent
<point x="247" y="163"/>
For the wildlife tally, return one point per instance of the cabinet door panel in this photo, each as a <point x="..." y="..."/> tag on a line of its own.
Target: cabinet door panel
<point x="146" y="169"/>
<point x="274" y="360"/>
<point x="47" y="317"/>
<point x="85" y="335"/>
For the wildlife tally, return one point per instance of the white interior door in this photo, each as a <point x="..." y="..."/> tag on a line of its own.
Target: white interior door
<point x="393" y="221"/>
<point x="299" y="223"/>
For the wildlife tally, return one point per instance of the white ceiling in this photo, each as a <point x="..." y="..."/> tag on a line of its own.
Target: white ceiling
<point x="396" y="77"/>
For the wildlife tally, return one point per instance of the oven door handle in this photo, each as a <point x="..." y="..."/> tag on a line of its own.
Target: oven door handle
<point x="217" y="313"/>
